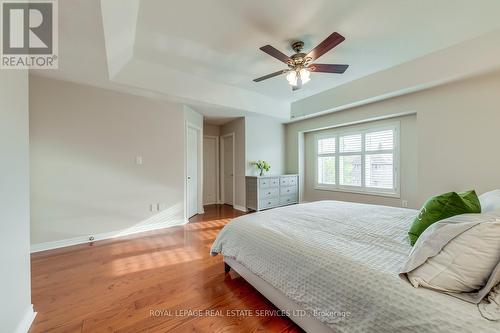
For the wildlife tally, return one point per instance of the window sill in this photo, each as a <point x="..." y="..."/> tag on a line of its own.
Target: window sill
<point x="354" y="191"/>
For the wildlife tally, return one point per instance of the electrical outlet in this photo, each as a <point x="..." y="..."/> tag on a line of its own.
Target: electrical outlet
<point x="404" y="203"/>
<point x="138" y="160"/>
<point x="91" y="238"/>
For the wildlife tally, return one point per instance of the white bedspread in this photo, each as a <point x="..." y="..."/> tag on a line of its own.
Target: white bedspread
<point x="340" y="261"/>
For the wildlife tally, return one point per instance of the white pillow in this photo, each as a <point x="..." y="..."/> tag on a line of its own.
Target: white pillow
<point x="490" y="201"/>
<point x="465" y="263"/>
<point x="490" y="307"/>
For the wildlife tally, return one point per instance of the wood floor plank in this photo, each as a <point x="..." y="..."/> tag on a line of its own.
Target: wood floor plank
<point x="117" y="285"/>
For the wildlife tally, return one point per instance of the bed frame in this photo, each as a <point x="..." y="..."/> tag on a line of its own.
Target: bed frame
<point x="307" y="323"/>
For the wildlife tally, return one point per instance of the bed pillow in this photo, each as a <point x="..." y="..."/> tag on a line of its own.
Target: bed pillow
<point x="464" y="264"/>
<point x="459" y="256"/>
<point x="441" y="207"/>
<point x="490" y="201"/>
<point x="490" y="306"/>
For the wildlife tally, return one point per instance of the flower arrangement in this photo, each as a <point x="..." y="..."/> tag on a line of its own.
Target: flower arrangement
<point x="262" y="165"/>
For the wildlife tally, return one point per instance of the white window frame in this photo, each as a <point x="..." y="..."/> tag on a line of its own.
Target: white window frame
<point x="337" y="133"/>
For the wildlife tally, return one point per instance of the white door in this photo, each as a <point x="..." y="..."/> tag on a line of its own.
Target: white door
<point x="192" y="172"/>
<point x="228" y="169"/>
<point x="210" y="170"/>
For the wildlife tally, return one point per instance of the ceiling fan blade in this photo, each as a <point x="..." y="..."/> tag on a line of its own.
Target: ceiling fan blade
<point x="275" y="53"/>
<point x="329" y="43"/>
<point x="268" y="76"/>
<point x="327" y="68"/>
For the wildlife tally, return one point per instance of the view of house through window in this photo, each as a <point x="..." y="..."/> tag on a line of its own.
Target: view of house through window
<point x="363" y="160"/>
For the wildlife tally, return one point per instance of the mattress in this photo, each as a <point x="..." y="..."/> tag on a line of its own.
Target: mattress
<point x="340" y="262"/>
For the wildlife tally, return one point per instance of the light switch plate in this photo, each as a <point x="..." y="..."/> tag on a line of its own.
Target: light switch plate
<point x="138" y="160"/>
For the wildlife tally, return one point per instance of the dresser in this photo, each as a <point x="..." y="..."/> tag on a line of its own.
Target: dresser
<point x="271" y="191"/>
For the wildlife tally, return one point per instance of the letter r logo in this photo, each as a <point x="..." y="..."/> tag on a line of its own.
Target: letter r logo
<point x="27" y="27"/>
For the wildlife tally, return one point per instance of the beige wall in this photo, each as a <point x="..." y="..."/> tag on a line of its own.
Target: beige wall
<point x="255" y="138"/>
<point x="265" y="140"/>
<point x="84" y="176"/>
<point x="237" y="127"/>
<point x="212" y="130"/>
<point x="457" y="131"/>
<point x="16" y="311"/>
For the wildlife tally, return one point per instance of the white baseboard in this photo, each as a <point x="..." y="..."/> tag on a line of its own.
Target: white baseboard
<point x="107" y="235"/>
<point x="25" y="324"/>
<point x="240" y="208"/>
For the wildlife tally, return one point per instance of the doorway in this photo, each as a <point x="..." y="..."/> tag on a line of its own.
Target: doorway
<point x="193" y="174"/>
<point x="210" y="170"/>
<point x="227" y="169"/>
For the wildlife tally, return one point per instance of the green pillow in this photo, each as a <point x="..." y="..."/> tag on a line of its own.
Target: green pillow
<point x="442" y="207"/>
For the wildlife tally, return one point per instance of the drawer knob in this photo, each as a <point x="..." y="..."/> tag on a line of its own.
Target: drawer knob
<point x="269" y="203"/>
<point x="268" y="192"/>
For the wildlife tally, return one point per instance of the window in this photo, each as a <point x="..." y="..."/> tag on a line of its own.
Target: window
<point x="359" y="161"/>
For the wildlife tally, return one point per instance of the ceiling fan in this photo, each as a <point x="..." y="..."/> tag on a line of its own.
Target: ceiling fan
<point x="300" y="64"/>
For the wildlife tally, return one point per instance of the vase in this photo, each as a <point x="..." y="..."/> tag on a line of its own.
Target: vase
<point x="261" y="172"/>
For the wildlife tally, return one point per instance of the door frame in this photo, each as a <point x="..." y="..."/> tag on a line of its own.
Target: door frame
<point x="217" y="168"/>
<point x="223" y="195"/>
<point x="199" y="169"/>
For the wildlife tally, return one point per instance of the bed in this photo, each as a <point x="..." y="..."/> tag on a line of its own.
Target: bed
<point x="338" y="263"/>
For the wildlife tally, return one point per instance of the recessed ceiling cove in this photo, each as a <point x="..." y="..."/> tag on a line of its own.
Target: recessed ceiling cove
<point x="207" y="52"/>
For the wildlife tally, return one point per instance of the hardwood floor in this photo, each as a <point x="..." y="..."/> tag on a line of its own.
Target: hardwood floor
<point x="150" y="282"/>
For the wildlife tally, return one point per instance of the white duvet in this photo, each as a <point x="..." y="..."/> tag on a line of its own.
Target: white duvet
<point x="340" y="261"/>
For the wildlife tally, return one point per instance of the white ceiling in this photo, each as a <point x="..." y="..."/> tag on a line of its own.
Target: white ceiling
<point x="220" y="40"/>
<point x="207" y="52"/>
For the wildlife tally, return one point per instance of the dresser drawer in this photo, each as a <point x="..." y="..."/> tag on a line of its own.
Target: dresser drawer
<point x="288" y="190"/>
<point x="269" y="192"/>
<point x="288" y="199"/>
<point x="274" y="182"/>
<point x="269" y="203"/>
<point x="288" y="181"/>
<point x="269" y="182"/>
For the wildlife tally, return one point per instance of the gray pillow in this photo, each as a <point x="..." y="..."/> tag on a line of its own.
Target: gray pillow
<point x="437" y="236"/>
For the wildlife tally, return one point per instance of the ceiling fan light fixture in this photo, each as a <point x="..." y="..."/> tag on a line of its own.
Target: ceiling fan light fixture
<point x="292" y="78"/>
<point x="305" y="75"/>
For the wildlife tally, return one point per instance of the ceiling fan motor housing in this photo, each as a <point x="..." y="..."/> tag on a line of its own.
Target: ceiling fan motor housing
<point x="298" y="60"/>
